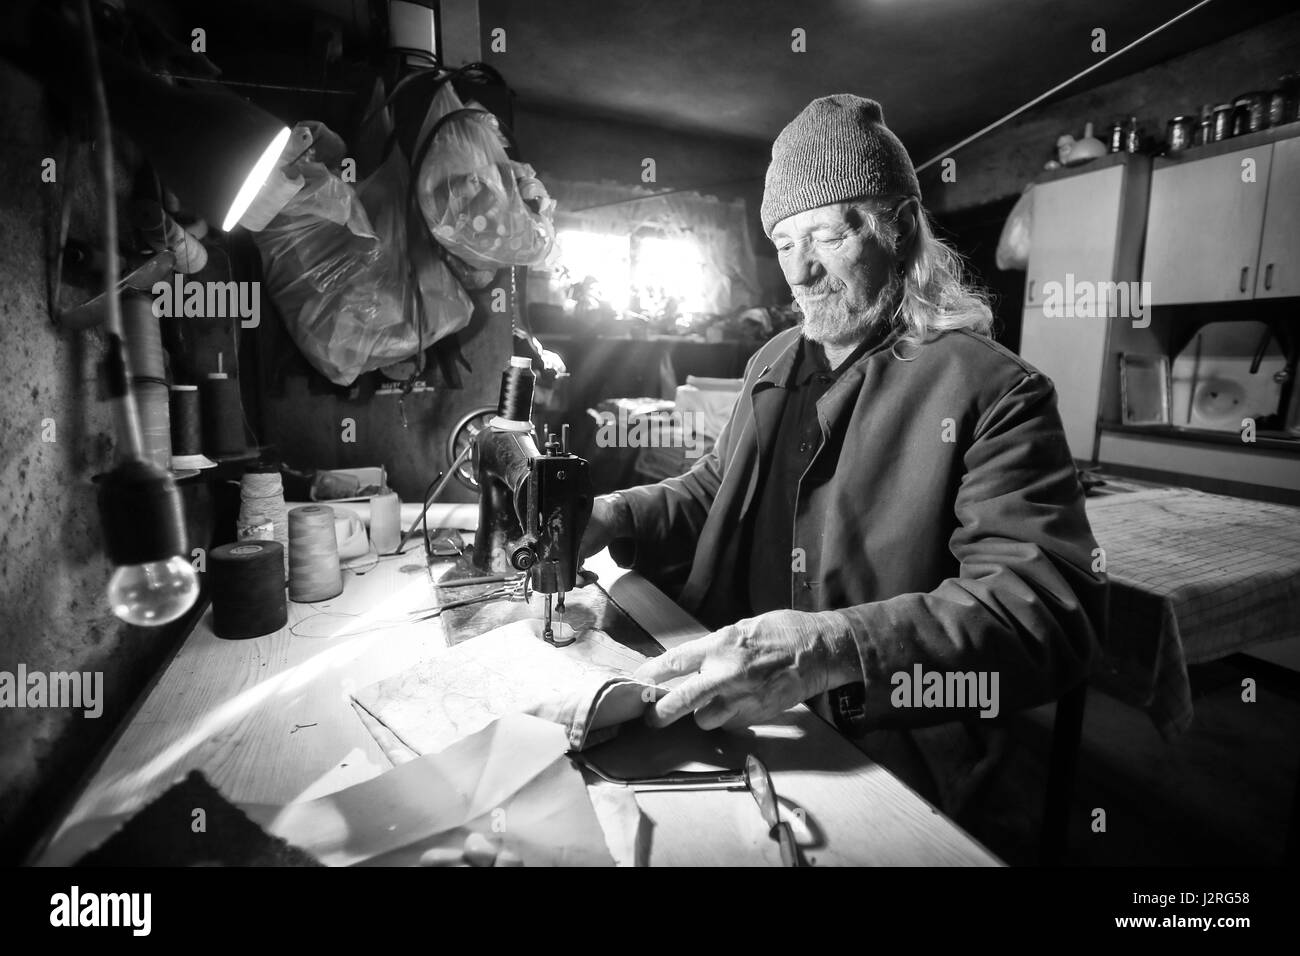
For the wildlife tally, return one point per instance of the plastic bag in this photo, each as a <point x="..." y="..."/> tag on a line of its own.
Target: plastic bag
<point x="1013" y="244"/>
<point x="339" y="263"/>
<point x="486" y="208"/>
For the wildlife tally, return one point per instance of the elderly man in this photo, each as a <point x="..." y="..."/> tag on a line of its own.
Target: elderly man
<point x="893" y="502"/>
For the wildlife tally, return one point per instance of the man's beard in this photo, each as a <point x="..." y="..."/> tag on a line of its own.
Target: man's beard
<point x="833" y="321"/>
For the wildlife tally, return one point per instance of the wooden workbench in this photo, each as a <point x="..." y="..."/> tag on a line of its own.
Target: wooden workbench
<point x="270" y="721"/>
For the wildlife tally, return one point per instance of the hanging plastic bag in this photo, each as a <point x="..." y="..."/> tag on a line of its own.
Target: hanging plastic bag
<point x="345" y="278"/>
<point x="486" y="208"/>
<point x="1013" y="244"/>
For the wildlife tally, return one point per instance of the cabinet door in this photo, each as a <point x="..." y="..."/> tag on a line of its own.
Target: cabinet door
<point x="1070" y="352"/>
<point x="1203" y="228"/>
<point x="1279" y="249"/>
<point x="1075" y="228"/>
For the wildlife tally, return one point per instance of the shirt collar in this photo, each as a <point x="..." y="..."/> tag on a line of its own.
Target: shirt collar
<point x="803" y="358"/>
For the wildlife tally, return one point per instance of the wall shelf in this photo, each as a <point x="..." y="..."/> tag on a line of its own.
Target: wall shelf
<point x="1265" y="440"/>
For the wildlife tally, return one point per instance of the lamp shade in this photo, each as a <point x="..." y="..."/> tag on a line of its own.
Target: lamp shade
<point x="211" y="148"/>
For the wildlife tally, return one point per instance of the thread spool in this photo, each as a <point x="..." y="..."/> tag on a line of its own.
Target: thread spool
<point x="222" y="416"/>
<point x="143" y="339"/>
<point x="246" y="580"/>
<point x="261" y="502"/>
<point x="314" y="573"/>
<point x="516" y="399"/>
<point x="187" y="434"/>
<point x="386" y="522"/>
<point x="153" y="407"/>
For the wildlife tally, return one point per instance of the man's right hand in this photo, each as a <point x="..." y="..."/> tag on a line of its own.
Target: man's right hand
<point x="610" y="518"/>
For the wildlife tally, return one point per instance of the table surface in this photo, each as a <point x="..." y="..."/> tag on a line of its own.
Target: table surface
<point x="270" y="721"/>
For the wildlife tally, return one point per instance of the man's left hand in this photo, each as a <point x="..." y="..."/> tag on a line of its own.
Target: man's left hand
<point x="753" y="670"/>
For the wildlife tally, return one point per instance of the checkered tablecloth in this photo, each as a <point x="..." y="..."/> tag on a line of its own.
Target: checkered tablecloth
<point x="1194" y="577"/>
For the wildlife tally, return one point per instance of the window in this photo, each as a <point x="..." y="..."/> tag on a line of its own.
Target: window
<point x="665" y="268"/>
<point x="606" y="258"/>
<point x="641" y="272"/>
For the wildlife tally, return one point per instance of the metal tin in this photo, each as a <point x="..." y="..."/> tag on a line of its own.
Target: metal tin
<point x="1250" y="113"/>
<point x="1205" y="132"/>
<point x="1222" y="128"/>
<point x="1179" y="133"/>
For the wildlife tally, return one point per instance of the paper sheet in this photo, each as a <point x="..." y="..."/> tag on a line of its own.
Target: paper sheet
<point x="509" y="783"/>
<point x="584" y="688"/>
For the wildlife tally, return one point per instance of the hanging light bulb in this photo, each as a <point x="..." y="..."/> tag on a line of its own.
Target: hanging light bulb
<point x="144" y="535"/>
<point x="154" y="593"/>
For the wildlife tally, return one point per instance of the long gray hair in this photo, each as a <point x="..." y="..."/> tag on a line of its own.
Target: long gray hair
<point x="936" y="296"/>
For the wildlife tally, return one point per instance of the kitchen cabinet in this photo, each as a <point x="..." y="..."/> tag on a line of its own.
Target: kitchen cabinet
<point x="1074" y="230"/>
<point x="1086" y="229"/>
<point x="1069" y="351"/>
<point x="1278" y="269"/>
<point x="1204" y="226"/>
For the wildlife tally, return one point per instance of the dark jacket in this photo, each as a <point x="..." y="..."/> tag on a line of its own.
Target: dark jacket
<point x="942" y="515"/>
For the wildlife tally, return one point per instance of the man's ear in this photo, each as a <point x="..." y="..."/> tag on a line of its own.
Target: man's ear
<point x="906" y="219"/>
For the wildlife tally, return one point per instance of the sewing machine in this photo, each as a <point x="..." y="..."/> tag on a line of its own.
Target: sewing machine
<point x="533" y="504"/>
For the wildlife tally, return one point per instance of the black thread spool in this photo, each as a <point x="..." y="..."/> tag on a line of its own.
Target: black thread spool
<point x="223" y="417"/>
<point x="246" y="580"/>
<point x="187" y="435"/>
<point x="516" y="401"/>
<point x="187" y="430"/>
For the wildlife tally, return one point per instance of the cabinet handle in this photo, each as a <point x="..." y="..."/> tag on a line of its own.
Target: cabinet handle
<point x="1268" y="276"/>
<point x="1245" y="271"/>
<point x="1031" y="289"/>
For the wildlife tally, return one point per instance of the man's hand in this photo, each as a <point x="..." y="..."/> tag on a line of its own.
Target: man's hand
<point x="754" y="669"/>
<point x="610" y="519"/>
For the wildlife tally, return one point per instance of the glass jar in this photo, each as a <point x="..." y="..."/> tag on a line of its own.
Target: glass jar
<point x="1179" y="133"/>
<point x="1249" y="113"/>
<point x="1115" y="137"/>
<point x="1222" y="128"/>
<point x="1132" y="136"/>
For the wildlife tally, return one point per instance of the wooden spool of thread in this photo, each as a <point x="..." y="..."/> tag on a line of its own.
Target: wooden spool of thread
<point x="314" y="573"/>
<point x="143" y="339"/>
<point x="152" y="401"/>
<point x="187" y="432"/>
<point x="223" y="416"/>
<point x="261" y="501"/>
<point x="246" y="580"/>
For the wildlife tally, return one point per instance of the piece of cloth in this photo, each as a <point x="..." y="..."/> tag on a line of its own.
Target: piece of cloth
<point x="837" y="149"/>
<point x="951" y="532"/>
<point x="1194" y="577"/>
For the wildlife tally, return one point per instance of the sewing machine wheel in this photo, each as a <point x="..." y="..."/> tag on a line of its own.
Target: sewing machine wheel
<point x="462" y="436"/>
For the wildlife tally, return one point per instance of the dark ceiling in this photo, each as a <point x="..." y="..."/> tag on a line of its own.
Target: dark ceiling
<point x="942" y="68"/>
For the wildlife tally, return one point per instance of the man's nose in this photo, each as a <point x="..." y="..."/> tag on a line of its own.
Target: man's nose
<point x="802" y="268"/>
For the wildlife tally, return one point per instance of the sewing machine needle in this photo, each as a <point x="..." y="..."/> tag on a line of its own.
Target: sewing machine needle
<point x="547" y="634"/>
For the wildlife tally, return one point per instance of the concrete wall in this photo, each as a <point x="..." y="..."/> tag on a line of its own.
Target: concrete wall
<point x="53" y="614"/>
<point x="1001" y="163"/>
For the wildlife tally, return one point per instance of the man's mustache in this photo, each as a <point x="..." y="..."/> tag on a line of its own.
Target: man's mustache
<point x="821" y="289"/>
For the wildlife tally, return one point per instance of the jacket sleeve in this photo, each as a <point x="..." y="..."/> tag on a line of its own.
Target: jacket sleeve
<point x="668" y="516"/>
<point x="1025" y="603"/>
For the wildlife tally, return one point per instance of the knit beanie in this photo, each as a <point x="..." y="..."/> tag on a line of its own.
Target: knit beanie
<point x="836" y="150"/>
